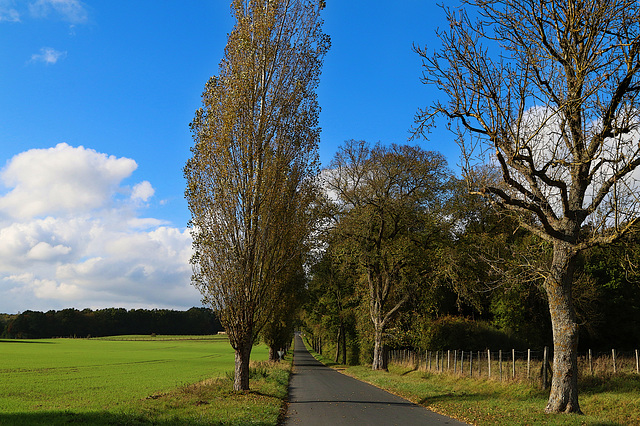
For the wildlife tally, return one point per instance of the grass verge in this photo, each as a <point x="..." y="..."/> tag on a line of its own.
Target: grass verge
<point x="611" y="401"/>
<point x="214" y="401"/>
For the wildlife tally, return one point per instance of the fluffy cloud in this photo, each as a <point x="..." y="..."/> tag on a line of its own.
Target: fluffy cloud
<point x="61" y="179"/>
<point x="71" y="235"/>
<point x="142" y="191"/>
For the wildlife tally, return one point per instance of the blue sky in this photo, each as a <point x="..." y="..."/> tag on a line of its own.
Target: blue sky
<point x="95" y="102"/>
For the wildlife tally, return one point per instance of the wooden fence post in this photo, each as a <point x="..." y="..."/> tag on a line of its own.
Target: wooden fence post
<point x="637" y="363"/>
<point x="455" y="361"/>
<point x="479" y="365"/>
<point x="500" y="363"/>
<point x="462" y="363"/>
<point x="437" y="352"/>
<point x="513" y="364"/>
<point x="613" y="357"/>
<point x="448" y="359"/>
<point x="528" y="364"/>
<point x="489" y="361"/>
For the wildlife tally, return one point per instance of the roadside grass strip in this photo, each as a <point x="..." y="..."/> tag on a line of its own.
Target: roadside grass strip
<point x="614" y="400"/>
<point x="135" y="381"/>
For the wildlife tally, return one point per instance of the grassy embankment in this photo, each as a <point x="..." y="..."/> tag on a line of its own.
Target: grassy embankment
<point x="614" y="400"/>
<point x="162" y="381"/>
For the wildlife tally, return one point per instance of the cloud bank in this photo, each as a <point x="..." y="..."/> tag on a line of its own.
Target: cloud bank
<point x="72" y="235"/>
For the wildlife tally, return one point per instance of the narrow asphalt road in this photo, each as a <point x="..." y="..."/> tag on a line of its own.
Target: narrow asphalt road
<point x="319" y="395"/>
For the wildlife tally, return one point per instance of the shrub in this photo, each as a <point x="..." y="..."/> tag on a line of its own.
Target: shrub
<point x="457" y="332"/>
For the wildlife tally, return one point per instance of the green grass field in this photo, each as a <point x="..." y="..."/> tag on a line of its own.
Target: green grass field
<point x="131" y="380"/>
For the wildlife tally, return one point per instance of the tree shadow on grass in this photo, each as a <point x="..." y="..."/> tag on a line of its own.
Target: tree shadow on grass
<point x="409" y="371"/>
<point x="458" y="397"/>
<point x="53" y="418"/>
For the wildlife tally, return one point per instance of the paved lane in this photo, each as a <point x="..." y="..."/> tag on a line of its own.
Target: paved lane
<point x="319" y="395"/>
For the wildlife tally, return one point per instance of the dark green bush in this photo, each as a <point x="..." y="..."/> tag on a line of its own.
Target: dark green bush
<point x="462" y="333"/>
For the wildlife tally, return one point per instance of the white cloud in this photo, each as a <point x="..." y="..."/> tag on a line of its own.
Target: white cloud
<point x="61" y="179"/>
<point x="46" y="252"/>
<point x="142" y="191"/>
<point x="542" y="136"/>
<point x="72" y="11"/>
<point x="48" y="55"/>
<point x="71" y="236"/>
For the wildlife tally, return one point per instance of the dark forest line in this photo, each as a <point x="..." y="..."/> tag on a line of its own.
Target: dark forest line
<point x="108" y="322"/>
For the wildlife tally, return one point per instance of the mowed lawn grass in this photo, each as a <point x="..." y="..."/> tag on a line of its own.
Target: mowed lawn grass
<point x="159" y="381"/>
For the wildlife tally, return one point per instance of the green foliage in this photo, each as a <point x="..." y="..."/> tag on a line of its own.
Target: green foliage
<point x="250" y="186"/>
<point x="331" y="305"/>
<point x="278" y="331"/>
<point x="109" y="322"/>
<point x="521" y="310"/>
<point x="462" y="333"/>
<point x="388" y="223"/>
<point x="609" y="296"/>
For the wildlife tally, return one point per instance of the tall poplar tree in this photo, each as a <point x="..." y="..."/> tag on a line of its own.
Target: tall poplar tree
<point x="249" y="181"/>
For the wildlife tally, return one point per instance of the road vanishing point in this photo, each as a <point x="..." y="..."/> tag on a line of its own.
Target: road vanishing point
<point x="319" y="395"/>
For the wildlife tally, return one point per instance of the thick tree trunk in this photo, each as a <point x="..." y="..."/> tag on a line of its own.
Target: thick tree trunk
<point x="379" y="354"/>
<point x="338" y="343"/>
<point x="564" y="384"/>
<point x="344" y="345"/>
<point x="273" y="354"/>
<point x="241" y="377"/>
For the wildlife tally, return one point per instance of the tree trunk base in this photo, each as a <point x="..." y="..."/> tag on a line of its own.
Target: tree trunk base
<point x="560" y="408"/>
<point x="241" y="374"/>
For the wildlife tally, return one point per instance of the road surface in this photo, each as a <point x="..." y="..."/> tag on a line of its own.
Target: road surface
<point x="319" y="395"/>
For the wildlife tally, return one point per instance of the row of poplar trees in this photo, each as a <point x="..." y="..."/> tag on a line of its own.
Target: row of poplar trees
<point x="542" y="97"/>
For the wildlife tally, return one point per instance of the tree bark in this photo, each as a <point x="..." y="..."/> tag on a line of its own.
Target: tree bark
<point x="241" y="376"/>
<point x="273" y="354"/>
<point x="344" y="344"/>
<point x="338" y="343"/>
<point x="564" y="383"/>
<point x="379" y="354"/>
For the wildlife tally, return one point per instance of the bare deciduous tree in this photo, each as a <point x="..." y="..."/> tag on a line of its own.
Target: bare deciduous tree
<point x="547" y="90"/>
<point x="250" y="180"/>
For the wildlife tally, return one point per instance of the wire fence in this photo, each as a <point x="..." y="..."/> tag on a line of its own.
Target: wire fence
<point x="512" y="365"/>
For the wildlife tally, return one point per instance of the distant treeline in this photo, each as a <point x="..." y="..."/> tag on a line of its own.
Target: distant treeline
<point x="108" y="322"/>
